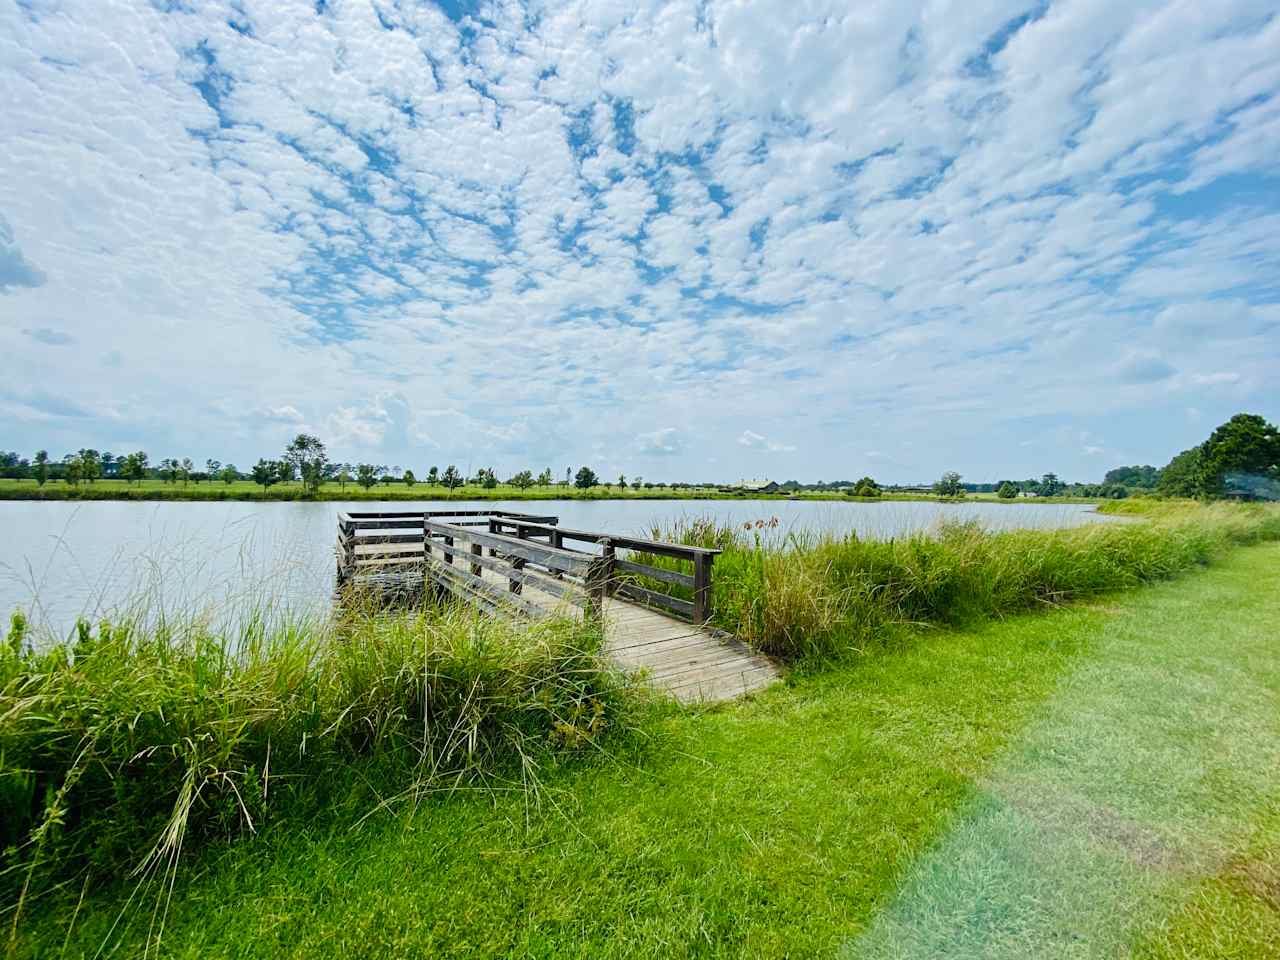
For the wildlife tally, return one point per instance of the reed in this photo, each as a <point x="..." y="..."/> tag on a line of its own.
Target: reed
<point x="126" y="746"/>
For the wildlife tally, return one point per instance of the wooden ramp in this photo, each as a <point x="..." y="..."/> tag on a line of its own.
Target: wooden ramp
<point x="519" y="565"/>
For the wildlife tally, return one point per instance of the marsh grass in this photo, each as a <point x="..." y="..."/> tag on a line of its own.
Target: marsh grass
<point x="126" y="746"/>
<point x="804" y="596"/>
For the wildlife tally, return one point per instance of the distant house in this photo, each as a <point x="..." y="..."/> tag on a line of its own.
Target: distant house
<point x="753" y="486"/>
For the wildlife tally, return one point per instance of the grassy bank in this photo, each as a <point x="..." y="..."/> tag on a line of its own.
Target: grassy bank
<point x="244" y="490"/>
<point x="1090" y="781"/>
<point x="821" y="597"/>
<point x="126" y="749"/>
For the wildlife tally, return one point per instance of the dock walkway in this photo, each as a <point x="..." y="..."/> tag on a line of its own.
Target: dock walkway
<point x="520" y="565"/>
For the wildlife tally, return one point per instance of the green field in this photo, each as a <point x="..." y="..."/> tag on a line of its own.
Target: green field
<point x="246" y="490"/>
<point x="1094" y="780"/>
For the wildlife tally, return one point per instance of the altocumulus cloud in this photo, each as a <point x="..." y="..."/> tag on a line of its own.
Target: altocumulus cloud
<point x="537" y="229"/>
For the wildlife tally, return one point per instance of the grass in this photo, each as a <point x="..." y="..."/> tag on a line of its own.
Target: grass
<point x="823" y="597"/>
<point x="129" y="747"/>
<point x="246" y="490"/>
<point x="1088" y="781"/>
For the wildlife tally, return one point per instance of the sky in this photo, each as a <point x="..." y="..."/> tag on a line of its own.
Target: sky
<point x="680" y="241"/>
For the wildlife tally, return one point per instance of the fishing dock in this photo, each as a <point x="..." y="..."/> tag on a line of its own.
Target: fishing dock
<point x="655" y="613"/>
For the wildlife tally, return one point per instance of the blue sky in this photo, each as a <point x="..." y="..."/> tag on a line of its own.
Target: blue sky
<point x="687" y="240"/>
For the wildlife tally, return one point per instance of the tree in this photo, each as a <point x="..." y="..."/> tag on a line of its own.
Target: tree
<point x="135" y="467"/>
<point x="367" y="474"/>
<point x="307" y="455"/>
<point x="1007" y="491"/>
<point x="1182" y="476"/>
<point x="585" y="479"/>
<point x="110" y="465"/>
<point x="622" y="481"/>
<point x="1051" y="486"/>
<point x="637" y="483"/>
<point x="949" y="485"/>
<point x="451" y="478"/>
<point x="433" y="476"/>
<point x="74" y="470"/>
<point x="522" y="480"/>
<point x="409" y="478"/>
<point x="1135" y="477"/>
<point x="212" y="468"/>
<point x="865" y="487"/>
<point x="544" y="478"/>
<point x="229" y="474"/>
<point x="264" y="473"/>
<point x="184" y="470"/>
<point x="344" y="475"/>
<point x="90" y="464"/>
<point x="41" y="469"/>
<point x="284" y="470"/>
<point x="1246" y="445"/>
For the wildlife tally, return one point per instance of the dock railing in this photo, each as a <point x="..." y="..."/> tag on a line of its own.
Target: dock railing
<point x="525" y="549"/>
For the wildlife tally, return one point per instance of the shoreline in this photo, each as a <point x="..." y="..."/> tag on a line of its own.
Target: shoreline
<point x="20" y="491"/>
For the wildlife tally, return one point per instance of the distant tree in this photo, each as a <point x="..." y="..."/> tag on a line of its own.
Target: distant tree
<point x="1183" y="476"/>
<point x="433" y="476"/>
<point x="229" y="474"/>
<point x="109" y="464"/>
<point x="73" y="470"/>
<point x="1135" y="477"/>
<point x="637" y="483"/>
<point x="949" y="485"/>
<point x="41" y="469"/>
<point x="344" y="475"/>
<point x="90" y="463"/>
<point x="865" y="487"/>
<point x="307" y="456"/>
<point x="451" y="478"/>
<point x="264" y="473"/>
<point x="213" y="468"/>
<point x="622" y="481"/>
<point x="409" y="478"/>
<point x="522" y="480"/>
<point x="544" y="478"/>
<point x="1051" y="486"/>
<point x="1007" y="491"/>
<point x="134" y="467"/>
<point x="1246" y="445"/>
<point x="585" y="479"/>
<point x="367" y="474"/>
<point x="284" y="471"/>
<point x="185" y="470"/>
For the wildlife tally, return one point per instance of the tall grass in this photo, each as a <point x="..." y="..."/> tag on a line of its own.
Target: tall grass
<point x="813" y="596"/>
<point x="125" y="746"/>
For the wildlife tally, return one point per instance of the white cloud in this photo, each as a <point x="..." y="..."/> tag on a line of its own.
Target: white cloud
<point x="532" y="240"/>
<point x="755" y="441"/>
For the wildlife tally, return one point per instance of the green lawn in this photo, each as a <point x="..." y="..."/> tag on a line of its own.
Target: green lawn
<point x="1094" y="781"/>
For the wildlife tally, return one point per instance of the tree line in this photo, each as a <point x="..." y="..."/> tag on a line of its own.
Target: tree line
<point x="305" y="459"/>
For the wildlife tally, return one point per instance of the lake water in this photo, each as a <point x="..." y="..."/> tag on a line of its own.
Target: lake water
<point x="61" y="560"/>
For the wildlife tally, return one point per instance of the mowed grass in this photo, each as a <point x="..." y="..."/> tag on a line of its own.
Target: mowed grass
<point x="813" y="819"/>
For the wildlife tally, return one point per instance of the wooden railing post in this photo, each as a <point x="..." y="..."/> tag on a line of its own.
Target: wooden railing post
<point x="448" y="557"/>
<point x="515" y="586"/>
<point x="703" y="606"/>
<point x="478" y="551"/>
<point x="610" y="554"/>
<point x="346" y="551"/>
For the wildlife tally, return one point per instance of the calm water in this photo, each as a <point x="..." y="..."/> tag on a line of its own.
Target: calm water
<point x="60" y="560"/>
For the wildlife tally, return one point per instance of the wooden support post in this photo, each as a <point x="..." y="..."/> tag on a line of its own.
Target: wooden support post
<point x="448" y="557"/>
<point x="515" y="586"/>
<point x="609" y="555"/>
<point x="702" y="601"/>
<point x="557" y="541"/>
<point x="478" y="551"/>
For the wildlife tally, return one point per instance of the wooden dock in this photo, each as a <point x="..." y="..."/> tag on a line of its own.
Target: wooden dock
<point x="523" y="565"/>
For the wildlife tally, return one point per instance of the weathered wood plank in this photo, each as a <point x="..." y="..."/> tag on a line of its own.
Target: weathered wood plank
<point x="631" y="591"/>
<point x="657" y="573"/>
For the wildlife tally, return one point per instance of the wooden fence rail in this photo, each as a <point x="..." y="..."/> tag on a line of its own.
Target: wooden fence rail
<point x="526" y="550"/>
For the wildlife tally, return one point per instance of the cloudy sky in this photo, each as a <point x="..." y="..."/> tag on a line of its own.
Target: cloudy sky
<point x="684" y="240"/>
